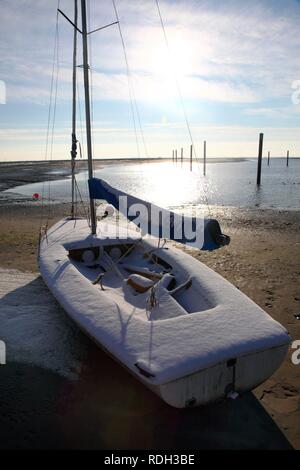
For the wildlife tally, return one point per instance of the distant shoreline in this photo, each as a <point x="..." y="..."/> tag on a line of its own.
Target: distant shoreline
<point x="121" y="161"/>
<point x="126" y="160"/>
<point x="45" y="170"/>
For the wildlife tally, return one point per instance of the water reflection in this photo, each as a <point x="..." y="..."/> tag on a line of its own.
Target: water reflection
<point x="168" y="185"/>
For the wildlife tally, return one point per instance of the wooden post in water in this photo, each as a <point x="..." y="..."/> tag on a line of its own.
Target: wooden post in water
<point x="173" y="158"/>
<point x="268" y="158"/>
<point x="260" y="151"/>
<point x="181" y="157"/>
<point x="176" y="156"/>
<point x="191" y="158"/>
<point x="204" y="158"/>
<point x="287" y="158"/>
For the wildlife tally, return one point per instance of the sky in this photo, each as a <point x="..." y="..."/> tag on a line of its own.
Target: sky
<point x="236" y="64"/>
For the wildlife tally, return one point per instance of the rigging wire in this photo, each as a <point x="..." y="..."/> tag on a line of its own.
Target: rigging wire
<point x="49" y="118"/>
<point x="176" y="80"/>
<point x="128" y="79"/>
<point x="80" y="121"/>
<point x="133" y="101"/>
<point x="54" y="112"/>
<point x="82" y="153"/>
<point x="180" y="94"/>
<point x="85" y="210"/>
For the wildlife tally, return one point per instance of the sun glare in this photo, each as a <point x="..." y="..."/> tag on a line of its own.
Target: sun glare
<point x="166" y="66"/>
<point x="169" y="185"/>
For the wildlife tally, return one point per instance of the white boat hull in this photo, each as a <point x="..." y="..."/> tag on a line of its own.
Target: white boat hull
<point x="209" y="342"/>
<point x="216" y="383"/>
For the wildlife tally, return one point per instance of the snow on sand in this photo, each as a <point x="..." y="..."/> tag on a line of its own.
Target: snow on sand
<point x="34" y="328"/>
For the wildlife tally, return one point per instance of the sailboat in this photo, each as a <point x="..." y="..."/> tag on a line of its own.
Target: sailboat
<point x="179" y="327"/>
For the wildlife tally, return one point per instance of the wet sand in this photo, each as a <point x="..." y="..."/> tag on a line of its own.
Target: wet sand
<point x="35" y="172"/>
<point x="104" y="407"/>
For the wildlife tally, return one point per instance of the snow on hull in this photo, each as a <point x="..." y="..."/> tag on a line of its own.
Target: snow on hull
<point x="227" y="343"/>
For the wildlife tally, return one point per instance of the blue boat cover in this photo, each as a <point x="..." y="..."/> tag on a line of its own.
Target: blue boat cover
<point x="204" y="234"/>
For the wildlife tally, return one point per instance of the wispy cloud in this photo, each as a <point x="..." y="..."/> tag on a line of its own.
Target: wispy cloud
<point x="231" y="51"/>
<point x="112" y="141"/>
<point x="280" y="112"/>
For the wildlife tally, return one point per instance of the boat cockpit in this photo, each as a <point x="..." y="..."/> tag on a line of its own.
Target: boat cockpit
<point x="140" y="276"/>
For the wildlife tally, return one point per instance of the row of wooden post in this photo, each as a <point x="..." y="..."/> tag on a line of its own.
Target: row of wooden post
<point x="175" y="157"/>
<point x="259" y="161"/>
<point x="287" y="158"/>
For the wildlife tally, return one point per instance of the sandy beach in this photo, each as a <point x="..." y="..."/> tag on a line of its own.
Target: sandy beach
<point x="98" y="405"/>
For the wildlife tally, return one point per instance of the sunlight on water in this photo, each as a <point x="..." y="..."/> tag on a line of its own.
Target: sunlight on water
<point x="163" y="184"/>
<point x="171" y="186"/>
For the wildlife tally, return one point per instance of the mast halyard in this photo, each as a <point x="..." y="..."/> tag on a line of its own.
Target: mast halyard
<point x="74" y="139"/>
<point x="87" y="109"/>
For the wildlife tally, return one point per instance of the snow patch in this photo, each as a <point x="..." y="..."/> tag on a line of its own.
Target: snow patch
<point x="34" y="327"/>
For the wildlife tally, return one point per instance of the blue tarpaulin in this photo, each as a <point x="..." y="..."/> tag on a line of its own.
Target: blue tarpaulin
<point x="204" y="234"/>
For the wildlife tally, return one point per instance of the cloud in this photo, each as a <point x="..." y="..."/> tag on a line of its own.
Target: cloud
<point x="228" y="52"/>
<point x="113" y="141"/>
<point x="280" y="112"/>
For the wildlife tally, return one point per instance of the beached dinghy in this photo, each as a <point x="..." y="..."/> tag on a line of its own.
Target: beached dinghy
<point x="180" y="328"/>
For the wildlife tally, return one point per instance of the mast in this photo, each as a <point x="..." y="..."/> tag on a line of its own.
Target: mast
<point x="87" y="109"/>
<point x="74" y="140"/>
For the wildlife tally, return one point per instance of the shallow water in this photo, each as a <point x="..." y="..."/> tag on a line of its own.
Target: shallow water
<point x="226" y="184"/>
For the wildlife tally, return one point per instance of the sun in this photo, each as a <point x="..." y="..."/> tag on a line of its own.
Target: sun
<point x="166" y="67"/>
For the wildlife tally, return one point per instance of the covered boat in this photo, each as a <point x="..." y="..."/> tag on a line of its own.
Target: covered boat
<point x="179" y="327"/>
